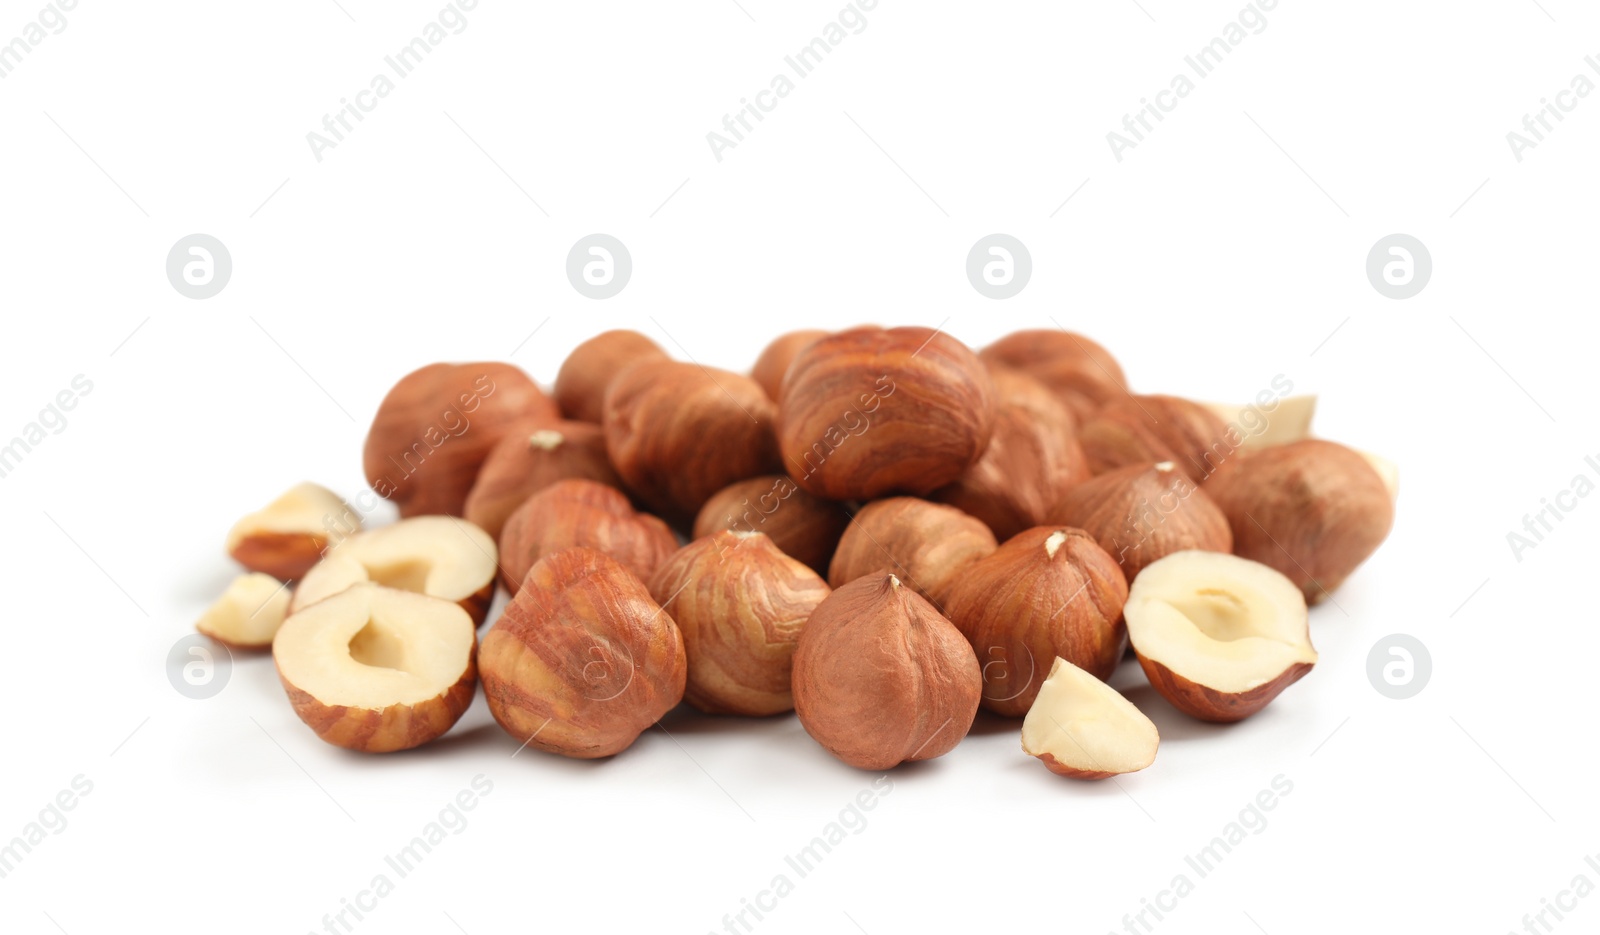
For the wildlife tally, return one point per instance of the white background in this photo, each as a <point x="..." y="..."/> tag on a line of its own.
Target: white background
<point x="1225" y="249"/>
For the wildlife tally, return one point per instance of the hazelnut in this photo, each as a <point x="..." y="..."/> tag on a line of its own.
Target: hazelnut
<point x="1143" y="429"/>
<point x="1050" y="591"/>
<point x="774" y="361"/>
<point x="1081" y="372"/>
<point x="678" y="433"/>
<point x="580" y="387"/>
<point x="802" y="526"/>
<point x="436" y="426"/>
<point x="1143" y="512"/>
<point x="439" y="556"/>
<point x="1032" y="460"/>
<point x="870" y="411"/>
<point x="927" y="545"/>
<point x="880" y="678"/>
<point x="1313" y="510"/>
<point x="581" y="513"/>
<point x="582" y="661"/>
<point x="740" y="604"/>
<point x="1218" y="636"/>
<point x="525" y="463"/>
<point x="1082" y="728"/>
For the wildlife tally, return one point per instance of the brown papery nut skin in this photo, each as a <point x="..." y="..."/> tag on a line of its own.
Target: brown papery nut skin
<point x="1081" y="372"/>
<point x="871" y="411"/>
<point x="525" y="463"/>
<point x="928" y="545"/>
<point x="775" y="359"/>
<point x="1143" y="512"/>
<point x="1147" y="429"/>
<point x="582" y="661"/>
<point x="1032" y="460"/>
<point x="880" y="678"/>
<point x="437" y="425"/>
<point x="740" y="604"/>
<point x="1312" y="509"/>
<point x="1049" y="591"/>
<point x="580" y="387"/>
<point x="678" y="433"/>
<point x="582" y="513"/>
<point x="800" y="525"/>
<point x="1208" y="704"/>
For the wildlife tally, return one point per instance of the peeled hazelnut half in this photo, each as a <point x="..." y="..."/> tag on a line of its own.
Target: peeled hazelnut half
<point x="287" y="536"/>
<point x="678" y="433"/>
<point x="1312" y="509"/>
<point x="1262" y="425"/>
<point x="1142" y="429"/>
<point x="1049" y="591"/>
<point x="1032" y="460"/>
<point x="580" y="387"/>
<point x="1081" y="372"/>
<point x="1083" y="728"/>
<point x="740" y="604"/>
<point x="375" y="669"/>
<point x="1143" y="512"/>
<point x="248" y="614"/>
<point x="582" y="661"/>
<point x="803" y="526"/>
<point x="1218" y="636"/>
<point x="525" y="463"/>
<point x="581" y="513"/>
<point x="926" y="545"/>
<point x="436" y="426"/>
<point x="775" y="359"/>
<point x="870" y="411"/>
<point x="439" y="556"/>
<point x="880" y="678"/>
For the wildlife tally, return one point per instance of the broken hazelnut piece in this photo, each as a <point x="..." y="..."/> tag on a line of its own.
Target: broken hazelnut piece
<point x="773" y="364"/>
<point x="1217" y="635"/>
<point x="583" y="660"/>
<point x="440" y="556"/>
<point x="881" y="678"/>
<point x="525" y="463"/>
<point x="1143" y="512"/>
<point x="740" y="604"/>
<point x="580" y="387"/>
<point x="287" y="536"/>
<point x="248" y="614"/>
<point x="1263" y="425"/>
<point x="1047" y="592"/>
<point x="926" y="545"/>
<point x="1145" y="429"/>
<point x="1032" y="460"/>
<point x="1082" y="373"/>
<point x="801" y="525"/>
<point x="869" y="411"/>
<point x="375" y="669"/>
<point x="1081" y="727"/>
<point x="435" y="427"/>
<point x="582" y="513"/>
<point x="1314" y="510"/>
